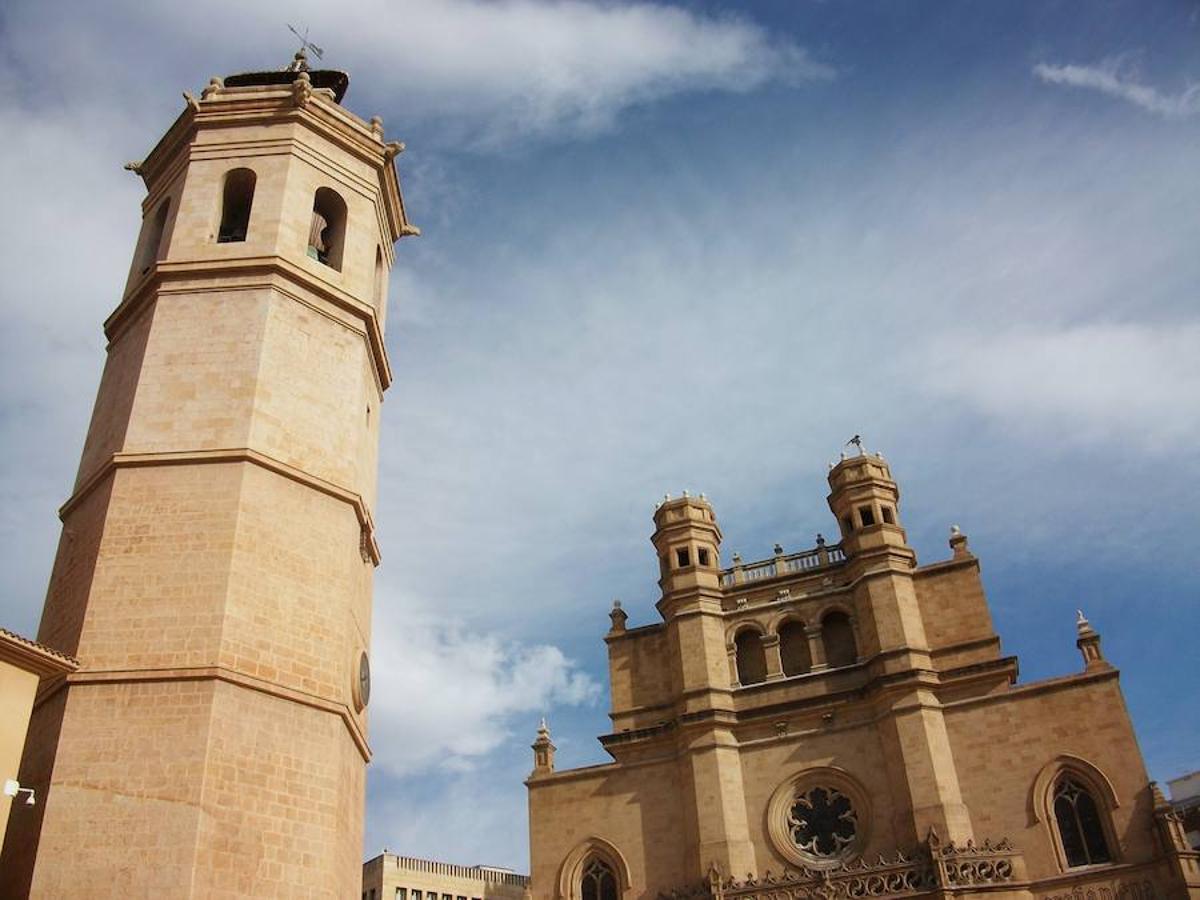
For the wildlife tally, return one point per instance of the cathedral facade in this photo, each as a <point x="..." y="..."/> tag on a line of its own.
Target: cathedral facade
<point x="842" y="723"/>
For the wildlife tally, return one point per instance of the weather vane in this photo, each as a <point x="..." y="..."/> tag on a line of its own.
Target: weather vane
<point x="305" y="43"/>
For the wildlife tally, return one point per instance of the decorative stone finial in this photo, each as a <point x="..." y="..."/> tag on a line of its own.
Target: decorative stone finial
<point x="958" y="542"/>
<point x="543" y="751"/>
<point x="302" y="89"/>
<point x="737" y="558"/>
<point x="1082" y="625"/>
<point x="214" y="84"/>
<point x="377" y="126"/>
<point x="842" y="456"/>
<point x="1088" y="642"/>
<point x="820" y="539"/>
<point x="618" y="617"/>
<point x="686" y="495"/>
<point x="778" y="549"/>
<point x="702" y="497"/>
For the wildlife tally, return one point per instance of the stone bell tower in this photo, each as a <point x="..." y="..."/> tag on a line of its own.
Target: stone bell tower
<point x="214" y="573"/>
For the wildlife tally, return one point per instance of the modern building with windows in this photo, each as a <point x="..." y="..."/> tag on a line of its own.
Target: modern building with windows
<point x="392" y="877"/>
<point x="842" y="723"/>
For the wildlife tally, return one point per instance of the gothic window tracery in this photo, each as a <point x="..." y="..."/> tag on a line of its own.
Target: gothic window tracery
<point x="598" y="881"/>
<point x="1080" y="826"/>
<point x="822" y="822"/>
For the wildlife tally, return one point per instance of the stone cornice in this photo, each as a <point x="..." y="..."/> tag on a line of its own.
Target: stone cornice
<point x="230" y="455"/>
<point x="1048" y="685"/>
<point x="165" y="276"/>
<point x="28" y="654"/>
<point x="229" y="676"/>
<point x="320" y="114"/>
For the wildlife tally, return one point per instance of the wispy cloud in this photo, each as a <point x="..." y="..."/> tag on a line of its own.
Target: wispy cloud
<point x="488" y="74"/>
<point x="1134" y="383"/>
<point x="446" y="695"/>
<point x="1117" y="79"/>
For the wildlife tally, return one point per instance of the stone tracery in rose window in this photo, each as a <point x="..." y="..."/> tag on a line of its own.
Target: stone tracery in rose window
<point x="822" y="822"/>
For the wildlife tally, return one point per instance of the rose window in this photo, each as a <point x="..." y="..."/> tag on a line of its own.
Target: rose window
<point x="822" y="822"/>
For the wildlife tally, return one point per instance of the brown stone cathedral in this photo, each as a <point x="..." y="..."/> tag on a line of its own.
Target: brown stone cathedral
<point x="841" y="724"/>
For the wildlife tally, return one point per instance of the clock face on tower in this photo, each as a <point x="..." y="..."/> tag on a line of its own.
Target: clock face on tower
<point x="364" y="681"/>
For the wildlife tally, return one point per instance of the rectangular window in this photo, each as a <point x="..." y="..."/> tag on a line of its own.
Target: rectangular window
<point x="888" y="518"/>
<point x="416" y="894"/>
<point x="681" y="557"/>
<point x="866" y="515"/>
<point x="401" y="894"/>
<point x="703" y="554"/>
<point x="447" y="897"/>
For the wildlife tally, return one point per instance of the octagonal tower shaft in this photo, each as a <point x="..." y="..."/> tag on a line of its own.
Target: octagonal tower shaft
<point x="215" y="568"/>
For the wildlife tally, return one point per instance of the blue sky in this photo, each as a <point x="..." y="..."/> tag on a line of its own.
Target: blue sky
<point x="682" y="246"/>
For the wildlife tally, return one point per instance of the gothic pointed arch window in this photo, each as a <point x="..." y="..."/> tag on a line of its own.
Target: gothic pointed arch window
<point x="1080" y="823"/>
<point x="598" y="881"/>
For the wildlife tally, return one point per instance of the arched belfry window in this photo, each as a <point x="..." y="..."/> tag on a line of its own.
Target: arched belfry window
<point x="380" y="279"/>
<point x="236" y="200"/>
<point x="837" y="633"/>
<point x="751" y="658"/>
<point x="327" y="233"/>
<point x="599" y="882"/>
<point x="793" y="649"/>
<point x="1080" y="826"/>
<point x="151" y="251"/>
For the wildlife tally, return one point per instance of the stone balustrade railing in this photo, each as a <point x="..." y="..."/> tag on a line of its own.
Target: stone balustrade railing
<point x="790" y="564"/>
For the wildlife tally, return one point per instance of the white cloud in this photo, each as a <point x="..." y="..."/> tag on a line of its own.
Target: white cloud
<point x="1115" y="78"/>
<point x="445" y="695"/>
<point x="1133" y="383"/>
<point x="488" y="73"/>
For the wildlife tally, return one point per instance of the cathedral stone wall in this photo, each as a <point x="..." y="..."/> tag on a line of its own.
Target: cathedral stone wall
<point x="840" y="723"/>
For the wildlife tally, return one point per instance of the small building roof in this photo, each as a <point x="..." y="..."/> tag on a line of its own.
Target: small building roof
<point x="28" y="654"/>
